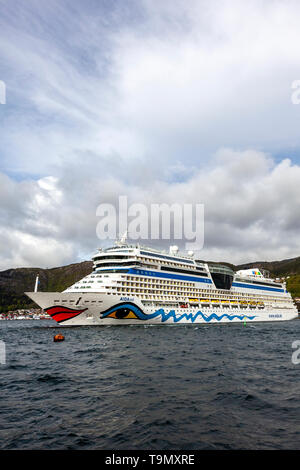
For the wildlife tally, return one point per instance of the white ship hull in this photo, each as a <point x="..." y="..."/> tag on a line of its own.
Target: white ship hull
<point x="77" y="309"/>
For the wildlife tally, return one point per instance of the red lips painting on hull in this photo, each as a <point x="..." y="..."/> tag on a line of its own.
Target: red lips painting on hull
<point x="61" y="314"/>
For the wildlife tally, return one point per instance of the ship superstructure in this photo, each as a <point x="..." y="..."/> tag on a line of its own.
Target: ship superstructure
<point x="133" y="284"/>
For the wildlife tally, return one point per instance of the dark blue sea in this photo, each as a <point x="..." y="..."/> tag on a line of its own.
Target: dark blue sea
<point x="161" y="387"/>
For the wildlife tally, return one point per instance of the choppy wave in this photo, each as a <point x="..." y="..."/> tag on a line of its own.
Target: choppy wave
<point x="209" y="387"/>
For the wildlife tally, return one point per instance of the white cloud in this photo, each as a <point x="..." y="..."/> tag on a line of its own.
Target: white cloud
<point x="183" y="80"/>
<point x="149" y="101"/>
<point x="245" y="218"/>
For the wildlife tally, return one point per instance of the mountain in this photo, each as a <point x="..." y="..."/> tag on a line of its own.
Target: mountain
<point x="14" y="282"/>
<point x="287" y="267"/>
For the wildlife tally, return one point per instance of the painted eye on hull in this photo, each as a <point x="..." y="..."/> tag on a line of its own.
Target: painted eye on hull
<point x="122" y="314"/>
<point x="124" y="311"/>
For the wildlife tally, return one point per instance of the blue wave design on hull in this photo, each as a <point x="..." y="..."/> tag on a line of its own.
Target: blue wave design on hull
<point x="192" y="317"/>
<point x="140" y="315"/>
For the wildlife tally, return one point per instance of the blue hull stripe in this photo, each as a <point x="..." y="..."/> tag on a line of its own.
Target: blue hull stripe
<point x="187" y="278"/>
<point x="251" y="286"/>
<point x="143" y="272"/>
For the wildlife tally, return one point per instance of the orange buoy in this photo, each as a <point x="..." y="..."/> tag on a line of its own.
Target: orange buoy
<point x="58" y="338"/>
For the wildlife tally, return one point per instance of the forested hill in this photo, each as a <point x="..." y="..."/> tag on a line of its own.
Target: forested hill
<point x="288" y="268"/>
<point x="14" y="282"/>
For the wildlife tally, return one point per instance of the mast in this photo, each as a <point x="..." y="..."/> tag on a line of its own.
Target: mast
<point x="122" y="240"/>
<point x="36" y="283"/>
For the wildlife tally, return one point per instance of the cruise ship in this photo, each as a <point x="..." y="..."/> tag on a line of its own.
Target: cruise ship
<point x="136" y="285"/>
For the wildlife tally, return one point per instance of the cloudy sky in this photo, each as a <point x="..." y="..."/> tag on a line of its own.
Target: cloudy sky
<point x="174" y="101"/>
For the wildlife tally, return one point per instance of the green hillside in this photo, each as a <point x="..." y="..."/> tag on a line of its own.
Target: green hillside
<point x="293" y="285"/>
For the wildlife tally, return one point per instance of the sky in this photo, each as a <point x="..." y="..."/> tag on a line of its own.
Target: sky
<point x="164" y="102"/>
